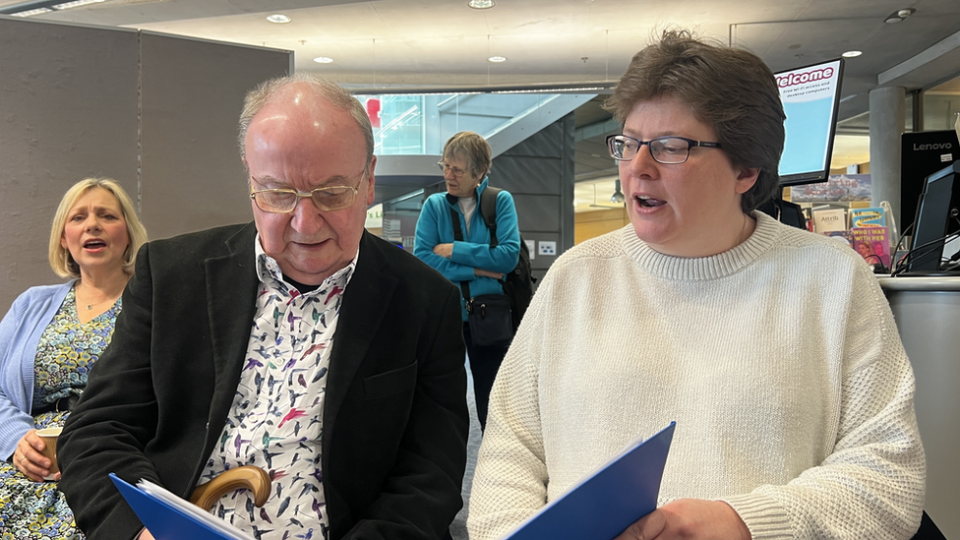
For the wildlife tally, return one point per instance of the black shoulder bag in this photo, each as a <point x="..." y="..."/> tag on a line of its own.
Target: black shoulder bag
<point x="489" y="315"/>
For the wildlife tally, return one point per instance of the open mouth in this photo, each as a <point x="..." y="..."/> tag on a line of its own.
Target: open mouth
<point x="649" y="202"/>
<point x="94" y="244"/>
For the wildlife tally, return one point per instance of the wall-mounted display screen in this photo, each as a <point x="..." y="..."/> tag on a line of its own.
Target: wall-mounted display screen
<point x="811" y="96"/>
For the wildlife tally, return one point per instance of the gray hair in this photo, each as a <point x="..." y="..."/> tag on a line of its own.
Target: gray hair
<point x="260" y="96"/>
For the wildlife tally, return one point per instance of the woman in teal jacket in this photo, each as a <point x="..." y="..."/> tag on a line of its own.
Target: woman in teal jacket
<point x="466" y="161"/>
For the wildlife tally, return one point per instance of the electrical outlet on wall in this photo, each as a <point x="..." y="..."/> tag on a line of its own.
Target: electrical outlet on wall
<point x="548" y="248"/>
<point x="531" y="248"/>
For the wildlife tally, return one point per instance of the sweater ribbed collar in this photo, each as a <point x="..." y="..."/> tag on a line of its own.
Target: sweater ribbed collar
<point x="703" y="268"/>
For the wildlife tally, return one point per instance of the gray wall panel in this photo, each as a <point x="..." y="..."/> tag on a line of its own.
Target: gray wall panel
<point x="70" y="107"/>
<point x="540" y="213"/>
<point x="68" y="110"/>
<point x="192" y="96"/>
<point x="547" y="143"/>
<point x="539" y="173"/>
<point x="530" y="175"/>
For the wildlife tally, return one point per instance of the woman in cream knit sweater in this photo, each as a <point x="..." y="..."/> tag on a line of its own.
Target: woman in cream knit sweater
<point x="773" y="349"/>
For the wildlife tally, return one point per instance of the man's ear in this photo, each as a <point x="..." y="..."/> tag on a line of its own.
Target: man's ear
<point x="371" y="180"/>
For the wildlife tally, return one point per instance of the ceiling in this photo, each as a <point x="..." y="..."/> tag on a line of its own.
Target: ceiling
<point x="444" y="43"/>
<point x="430" y="44"/>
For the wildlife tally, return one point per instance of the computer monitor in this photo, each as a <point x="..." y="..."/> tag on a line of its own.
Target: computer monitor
<point x="938" y="215"/>
<point x="811" y="97"/>
<point x="921" y="154"/>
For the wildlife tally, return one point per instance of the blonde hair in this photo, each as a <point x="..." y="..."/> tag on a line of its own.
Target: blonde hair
<point x="472" y="147"/>
<point x="60" y="259"/>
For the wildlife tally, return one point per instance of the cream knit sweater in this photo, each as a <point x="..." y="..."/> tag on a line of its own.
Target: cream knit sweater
<point x="779" y="360"/>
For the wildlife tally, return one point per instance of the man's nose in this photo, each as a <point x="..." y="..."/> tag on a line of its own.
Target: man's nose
<point x="307" y="218"/>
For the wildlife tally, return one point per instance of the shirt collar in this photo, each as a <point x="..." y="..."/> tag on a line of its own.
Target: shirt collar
<point x="268" y="271"/>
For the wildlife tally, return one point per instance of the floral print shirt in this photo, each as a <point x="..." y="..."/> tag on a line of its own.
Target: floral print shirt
<point x="68" y="349"/>
<point x="276" y="420"/>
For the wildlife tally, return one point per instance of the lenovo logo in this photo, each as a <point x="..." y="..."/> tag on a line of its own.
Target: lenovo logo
<point x="933" y="146"/>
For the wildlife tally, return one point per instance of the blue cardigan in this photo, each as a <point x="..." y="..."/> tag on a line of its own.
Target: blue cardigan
<point x="20" y="332"/>
<point x="435" y="226"/>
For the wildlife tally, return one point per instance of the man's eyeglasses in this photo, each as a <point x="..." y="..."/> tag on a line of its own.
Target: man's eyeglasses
<point x="455" y="172"/>
<point x="328" y="199"/>
<point x="663" y="149"/>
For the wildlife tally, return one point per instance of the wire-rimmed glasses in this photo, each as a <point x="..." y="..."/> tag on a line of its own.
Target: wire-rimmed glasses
<point x="457" y="173"/>
<point x="284" y="200"/>
<point x="666" y="150"/>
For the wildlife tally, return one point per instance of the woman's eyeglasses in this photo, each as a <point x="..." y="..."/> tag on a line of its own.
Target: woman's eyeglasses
<point x="663" y="149"/>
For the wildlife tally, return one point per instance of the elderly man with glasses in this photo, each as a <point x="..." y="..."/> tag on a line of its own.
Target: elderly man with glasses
<point x="298" y="343"/>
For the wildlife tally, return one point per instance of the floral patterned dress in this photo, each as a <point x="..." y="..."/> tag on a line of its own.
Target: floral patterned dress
<point x="65" y="354"/>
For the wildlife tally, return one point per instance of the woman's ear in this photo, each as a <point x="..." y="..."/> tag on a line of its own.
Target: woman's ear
<point x="746" y="179"/>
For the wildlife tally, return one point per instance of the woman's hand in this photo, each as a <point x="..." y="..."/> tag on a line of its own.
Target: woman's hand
<point x="689" y="519"/>
<point x="487" y="273"/>
<point x="28" y="459"/>
<point x="444" y="250"/>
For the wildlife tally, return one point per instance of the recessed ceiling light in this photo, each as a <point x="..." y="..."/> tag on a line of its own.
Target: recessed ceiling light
<point x="323" y="59"/>
<point x="899" y="15"/>
<point x="851" y="54"/>
<point x="497" y="59"/>
<point x="481" y="4"/>
<point x="279" y="18"/>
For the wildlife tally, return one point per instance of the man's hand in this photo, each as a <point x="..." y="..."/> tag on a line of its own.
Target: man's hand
<point x="444" y="250"/>
<point x="487" y="273"/>
<point x="28" y="459"/>
<point x="145" y="535"/>
<point x="689" y="519"/>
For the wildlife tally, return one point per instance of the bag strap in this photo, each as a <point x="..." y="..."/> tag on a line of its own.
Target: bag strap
<point x="458" y="237"/>
<point x="488" y="209"/>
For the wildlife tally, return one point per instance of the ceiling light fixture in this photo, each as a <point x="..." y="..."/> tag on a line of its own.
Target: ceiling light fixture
<point x="481" y="4"/>
<point x="40" y="7"/>
<point x="32" y="12"/>
<point x="323" y="60"/>
<point x="497" y="59"/>
<point x="851" y="54"/>
<point x="617" y="197"/>
<point x="76" y="4"/>
<point x="899" y="15"/>
<point x="279" y="18"/>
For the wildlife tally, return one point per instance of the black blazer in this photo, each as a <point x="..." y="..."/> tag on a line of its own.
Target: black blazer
<point x="395" y="417"/>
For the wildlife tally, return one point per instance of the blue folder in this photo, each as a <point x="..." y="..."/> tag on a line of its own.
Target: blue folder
<point x="167" y="522"/>
<point x="608" y="501"/>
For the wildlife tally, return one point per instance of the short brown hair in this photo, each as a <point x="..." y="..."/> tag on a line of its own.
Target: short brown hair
<point x="335" y="94"/>
<point x="472" y="147"/>
<point x="730" y="89"/>
<point x="60" y="259"/>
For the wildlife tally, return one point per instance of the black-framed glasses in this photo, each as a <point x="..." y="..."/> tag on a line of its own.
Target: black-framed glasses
<point x="663" y="149"/>
<point x="327" y="198"/>
<point x="457" y="173"/>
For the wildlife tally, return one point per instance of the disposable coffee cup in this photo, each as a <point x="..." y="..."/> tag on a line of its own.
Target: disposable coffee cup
<point x="49" y="436"/>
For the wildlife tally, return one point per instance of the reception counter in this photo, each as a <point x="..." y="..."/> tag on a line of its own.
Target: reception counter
<point x="927" y="311"/>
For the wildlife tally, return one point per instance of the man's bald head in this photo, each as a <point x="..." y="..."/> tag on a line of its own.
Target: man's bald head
<point x="308" y="88"/>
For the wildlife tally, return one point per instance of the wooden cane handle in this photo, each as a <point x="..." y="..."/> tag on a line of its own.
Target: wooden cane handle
<point x="247" y="477"/>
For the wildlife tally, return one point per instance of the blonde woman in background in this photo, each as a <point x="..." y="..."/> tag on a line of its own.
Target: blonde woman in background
<point x="49" y="340"/>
